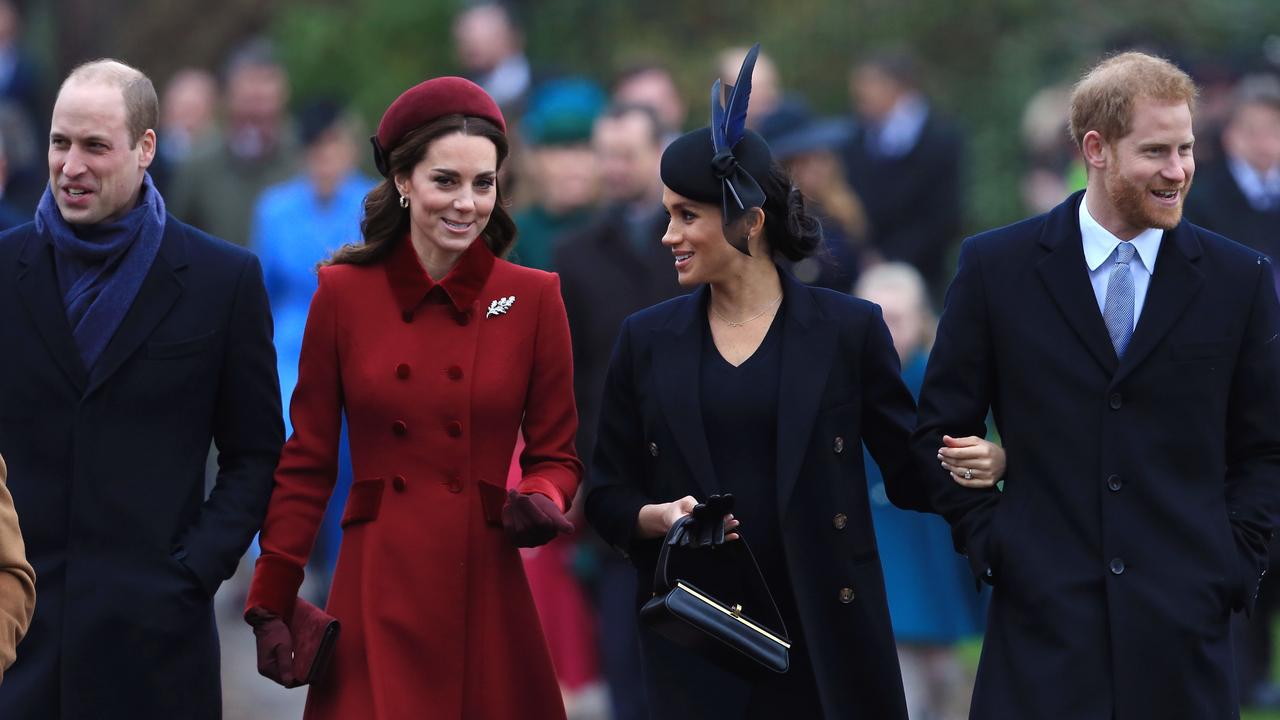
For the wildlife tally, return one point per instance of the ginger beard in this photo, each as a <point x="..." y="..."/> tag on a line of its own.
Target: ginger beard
<point x="1137" y="205"/>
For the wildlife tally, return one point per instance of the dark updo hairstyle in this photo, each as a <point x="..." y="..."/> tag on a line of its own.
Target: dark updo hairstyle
<point x="788" y="227"/>
<point x="385" y="223"/>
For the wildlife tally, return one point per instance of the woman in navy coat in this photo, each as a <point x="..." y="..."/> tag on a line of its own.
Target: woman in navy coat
<point x="761" y="387"/>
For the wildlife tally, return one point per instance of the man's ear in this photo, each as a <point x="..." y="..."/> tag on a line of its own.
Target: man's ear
<point x="148" y="144"/>
<point x="1095" y="150"/>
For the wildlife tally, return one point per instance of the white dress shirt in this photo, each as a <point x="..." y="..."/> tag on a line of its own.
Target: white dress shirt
<point x="1099" y="255"/>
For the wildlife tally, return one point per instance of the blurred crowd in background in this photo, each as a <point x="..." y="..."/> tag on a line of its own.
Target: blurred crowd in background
<point x="244" y="158"/>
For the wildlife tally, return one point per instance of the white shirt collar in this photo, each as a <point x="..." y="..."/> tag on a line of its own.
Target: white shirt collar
<point x="1099" y="243"/>
<point x="1259" y="188"/>
<point x="902" y="127"/>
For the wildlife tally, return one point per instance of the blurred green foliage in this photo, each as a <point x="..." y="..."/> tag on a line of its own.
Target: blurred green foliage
<point x="981" y="60"/>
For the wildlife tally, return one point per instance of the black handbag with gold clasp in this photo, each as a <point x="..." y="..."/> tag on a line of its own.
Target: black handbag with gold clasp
<point x="713" y="627"/>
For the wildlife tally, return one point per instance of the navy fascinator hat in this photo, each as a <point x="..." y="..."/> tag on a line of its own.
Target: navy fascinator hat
<point x="723" y="163"/>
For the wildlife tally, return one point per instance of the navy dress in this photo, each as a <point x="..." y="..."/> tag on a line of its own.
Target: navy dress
<point x="740" y="419"/>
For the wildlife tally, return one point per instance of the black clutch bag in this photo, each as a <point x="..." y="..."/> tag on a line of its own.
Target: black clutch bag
<point x="712" y="627"/>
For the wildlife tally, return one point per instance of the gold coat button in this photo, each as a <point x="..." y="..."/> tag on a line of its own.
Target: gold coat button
<point x="838" y="445"/>
<point x="840" y="521"/>
<point x="846" y="595"/>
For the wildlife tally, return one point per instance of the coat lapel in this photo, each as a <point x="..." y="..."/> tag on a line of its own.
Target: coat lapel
<point x="808" y="350"/>
<point x="160" y="290"/>
<point x="1066" y="275"/>
<point x="38" y="288"/>
<point x="677" y="368"/>
<point x="1174" y="283"/>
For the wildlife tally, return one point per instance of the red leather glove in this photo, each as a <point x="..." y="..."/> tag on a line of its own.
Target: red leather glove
<point x="532" y="520"/>
<point x="275" y="646"/>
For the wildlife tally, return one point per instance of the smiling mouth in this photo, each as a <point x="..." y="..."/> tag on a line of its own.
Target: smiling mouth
<point x="456" y="225"/>
<point x="681" y="257"/>
<point x="76" y="192"/>
<point x="1166" y="194"/>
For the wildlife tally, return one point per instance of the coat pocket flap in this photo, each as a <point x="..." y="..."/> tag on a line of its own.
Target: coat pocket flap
<point x="363" y="502"/>
<point x="492" y="499"/>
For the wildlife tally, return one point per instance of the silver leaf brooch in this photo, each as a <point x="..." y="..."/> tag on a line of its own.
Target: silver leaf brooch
<point x="500" y="306"/>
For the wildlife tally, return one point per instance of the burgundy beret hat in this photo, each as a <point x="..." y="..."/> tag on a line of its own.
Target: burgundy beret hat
<point x="426" y="101"/>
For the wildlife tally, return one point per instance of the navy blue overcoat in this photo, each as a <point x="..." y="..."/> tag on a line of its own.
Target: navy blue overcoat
<point x="840" y="385"/>
<point x="107" y="469"/>
<point x="1140" y="493"/>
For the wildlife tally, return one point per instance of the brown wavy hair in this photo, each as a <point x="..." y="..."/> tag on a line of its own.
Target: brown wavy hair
<point x="385" y="222"/>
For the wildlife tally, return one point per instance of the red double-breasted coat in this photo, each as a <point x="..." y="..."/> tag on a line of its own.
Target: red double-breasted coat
<point x="436" y="380"/>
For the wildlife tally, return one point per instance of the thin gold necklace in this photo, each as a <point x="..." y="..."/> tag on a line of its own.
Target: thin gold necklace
<point x="731" y="323"/>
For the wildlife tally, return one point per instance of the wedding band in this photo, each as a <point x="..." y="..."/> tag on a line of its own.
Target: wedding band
<point x="968" y="474"/>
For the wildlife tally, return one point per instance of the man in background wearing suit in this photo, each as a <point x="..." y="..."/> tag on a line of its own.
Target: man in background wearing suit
<point x="903" y="160"/>
<point x="1239" y="196"/>
<point x="1132" y="364"/>
<point x="613" y="267"/>
<point x="131" y="341"/>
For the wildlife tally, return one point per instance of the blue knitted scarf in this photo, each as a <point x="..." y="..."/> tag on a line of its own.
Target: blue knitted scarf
<point x="101" y="267"/>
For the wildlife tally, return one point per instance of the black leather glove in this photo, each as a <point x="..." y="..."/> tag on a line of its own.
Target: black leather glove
<point x="707" y="526"/>
<point x="532" y="520"/>
<point x="275" y="646"/>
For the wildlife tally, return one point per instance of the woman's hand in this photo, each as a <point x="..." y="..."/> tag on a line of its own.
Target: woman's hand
<point x="972" y="461"/>
<point x="533" y="519"/>
<point x="275" y="646"/>
<point x="655" y="520"/>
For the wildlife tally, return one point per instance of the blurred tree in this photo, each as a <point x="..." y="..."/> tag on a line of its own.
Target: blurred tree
<point x="981" y="61"/>
<point x="159" y="37"/>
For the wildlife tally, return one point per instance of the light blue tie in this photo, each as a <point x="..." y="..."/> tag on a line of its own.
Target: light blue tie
<point x="1117" y="310"/>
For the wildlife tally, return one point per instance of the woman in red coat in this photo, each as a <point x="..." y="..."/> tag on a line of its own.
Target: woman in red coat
<point x="439" y="353"/>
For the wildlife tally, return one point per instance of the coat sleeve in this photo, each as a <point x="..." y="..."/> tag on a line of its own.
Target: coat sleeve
<point x="549" y="461"/>
<point x="954" y="400"/>
<point x="888" y="417"/>
<point x="247" y="431"/>
<point x="308" y="466"/>
<point x="1253" y="438"/>
<point x="17" y="579"/>
<point x="614" y="495"/>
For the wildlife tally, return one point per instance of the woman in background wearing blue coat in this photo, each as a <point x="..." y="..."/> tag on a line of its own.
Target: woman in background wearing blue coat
<point x="931" y="595"/>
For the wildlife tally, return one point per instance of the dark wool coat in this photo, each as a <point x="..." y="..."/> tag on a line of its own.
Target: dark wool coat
<point x="1140" y="494"/>
<point x="839" y="386"/>
<point x="107" y="471"/>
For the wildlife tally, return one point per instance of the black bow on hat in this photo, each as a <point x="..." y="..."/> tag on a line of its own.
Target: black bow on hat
<point x="739" y="190"/>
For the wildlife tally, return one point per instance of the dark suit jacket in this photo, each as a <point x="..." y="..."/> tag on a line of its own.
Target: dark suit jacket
<point x="107" y="471"/>
<point x="914" y="202"/>
<point x="603" y="280"/>
<point x="840" y="386"/>
<point x="1140" y="494"/>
